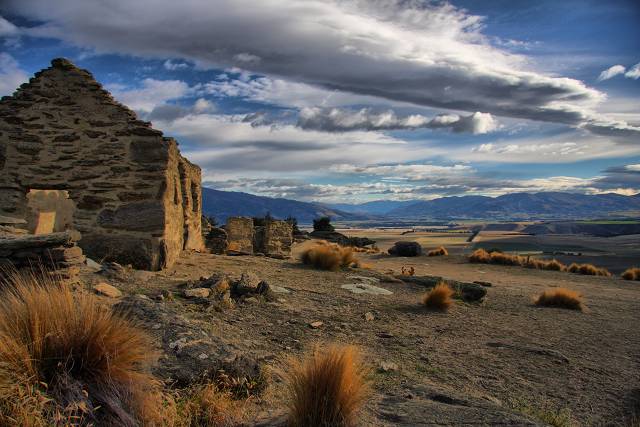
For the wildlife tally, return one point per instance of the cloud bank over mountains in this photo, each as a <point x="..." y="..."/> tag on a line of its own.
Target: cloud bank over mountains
<point x="299" y="93"/>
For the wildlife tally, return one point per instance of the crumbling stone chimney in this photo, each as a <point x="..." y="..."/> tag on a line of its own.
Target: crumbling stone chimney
<point x="137" y="200"/>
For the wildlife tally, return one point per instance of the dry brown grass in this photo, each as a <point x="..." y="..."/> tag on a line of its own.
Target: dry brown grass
<point x="632" y="273"/>
<point x="441" y="251"/>
<point x="329" y="256"/>
<point x="561" y="298"/>
<point x="506" y="259"/>
<point x="327" y="388"/>
<point x="438" y="298"/>
<point x="480" y="256"/>
<point x="588" y="269"/>
<point x="66" y="360"/>
<point x="553" y="265"/>
<point x="207" y="406"/>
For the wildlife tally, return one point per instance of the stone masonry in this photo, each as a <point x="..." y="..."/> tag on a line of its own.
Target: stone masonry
<point x="273" y="239"/>
<point x="134" y="198"/>
<point x="240" y="235"/>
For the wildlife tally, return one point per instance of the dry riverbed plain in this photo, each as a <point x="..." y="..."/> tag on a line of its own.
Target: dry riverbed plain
<point x="501" y="362"/>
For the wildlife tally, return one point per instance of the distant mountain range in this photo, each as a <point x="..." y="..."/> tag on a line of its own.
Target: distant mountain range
<point x="223" y="204"/>
<point x="523" y="206"/>
<point x="545" y="205"/>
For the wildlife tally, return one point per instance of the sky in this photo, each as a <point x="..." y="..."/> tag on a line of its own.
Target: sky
<point x="358" y="100"/>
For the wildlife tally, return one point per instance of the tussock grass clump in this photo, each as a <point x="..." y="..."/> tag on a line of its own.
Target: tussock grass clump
<point x="539" y="264"/>
<point x="632" y="273"/>
<point x="484" y="257"/>
<point x="506" y="259"/>
<point x="327" y="388"/>
<point x="480" y="256"/>
<point x="66" y="360"/>
<point x="561" y="298"/>
<point x="329" y="256"/>
<point x="588" y="269"/>
<point x="438" y="298"/>
<point x="207" y="406"/>
<point x="441" y="251"/>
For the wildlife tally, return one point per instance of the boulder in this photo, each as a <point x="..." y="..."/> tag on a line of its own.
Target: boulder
<point x="406" y="249"/>
<point x="248" y="284"/>
<point x="470" y="292"/>
<point x="190" y="349"/>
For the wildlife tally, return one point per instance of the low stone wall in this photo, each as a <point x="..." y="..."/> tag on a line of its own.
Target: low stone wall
<point x="53" y="251"/>
<point x="276" y="238"/>
<point x="240" y="235"/>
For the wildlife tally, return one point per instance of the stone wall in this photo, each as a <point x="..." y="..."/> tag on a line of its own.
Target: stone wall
<point x="54" y="251"/>
<point x="273" y="239"/>
<point x="240" y="235"/>
<point x="137" y="200"/>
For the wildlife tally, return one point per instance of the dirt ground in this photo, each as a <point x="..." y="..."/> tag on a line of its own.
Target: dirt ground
<point x="501" y="362"/>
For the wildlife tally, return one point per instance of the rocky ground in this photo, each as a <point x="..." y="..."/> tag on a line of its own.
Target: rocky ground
<point x="501" y="362"/>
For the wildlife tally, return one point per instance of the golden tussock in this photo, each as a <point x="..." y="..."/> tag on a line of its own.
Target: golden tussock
<point x="562" y="298"/>
<point x="441" y="251"/>
<point x="67" y="360"/>
<point x="438" y="298"/>
<point x="480" y="256"/>
<point x="329" y="256"/>
<point x="588" y="269"/>
<point x="327" y="388"/>
<point x="632" y="273"/>
<point x="207" y="406"/>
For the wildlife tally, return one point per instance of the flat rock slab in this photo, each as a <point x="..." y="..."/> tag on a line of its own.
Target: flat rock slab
<point x="431" y="405"/>
<point x="365" y="288"/>
<point x="66" y="238"/>
<point x="107" y="290"/>
<point x="279" y="289"/>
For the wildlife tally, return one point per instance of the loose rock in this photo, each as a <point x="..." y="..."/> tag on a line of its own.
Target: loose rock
<point x="107" y="290"/>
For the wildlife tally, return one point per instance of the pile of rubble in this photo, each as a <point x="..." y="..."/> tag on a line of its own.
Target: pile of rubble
<point x="221" y="292"/>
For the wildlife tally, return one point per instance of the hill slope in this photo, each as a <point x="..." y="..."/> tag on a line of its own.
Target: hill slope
<point x="223" y="204"/>
<point x="521" y="205"/>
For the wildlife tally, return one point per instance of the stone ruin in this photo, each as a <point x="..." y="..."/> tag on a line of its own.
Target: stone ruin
<point x="72" y="158"/>
<point x="240" y="237"/>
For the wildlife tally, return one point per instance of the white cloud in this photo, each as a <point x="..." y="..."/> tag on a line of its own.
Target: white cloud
<point x="428" y="54"/>
<point x="634" y="72"/>
<point x="174" y="65"/>
<point x="11" y="75"/>
<point x="152" y="93"/>
<point x="563" y="148"/>
<point x="7" y="28"/>
<point x="611" y="72"/>
<point x="238" y="143"/>
<point x="341" y="120"/>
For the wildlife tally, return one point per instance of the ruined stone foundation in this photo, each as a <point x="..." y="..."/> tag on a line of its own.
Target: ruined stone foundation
<point x="71" y="157"/>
